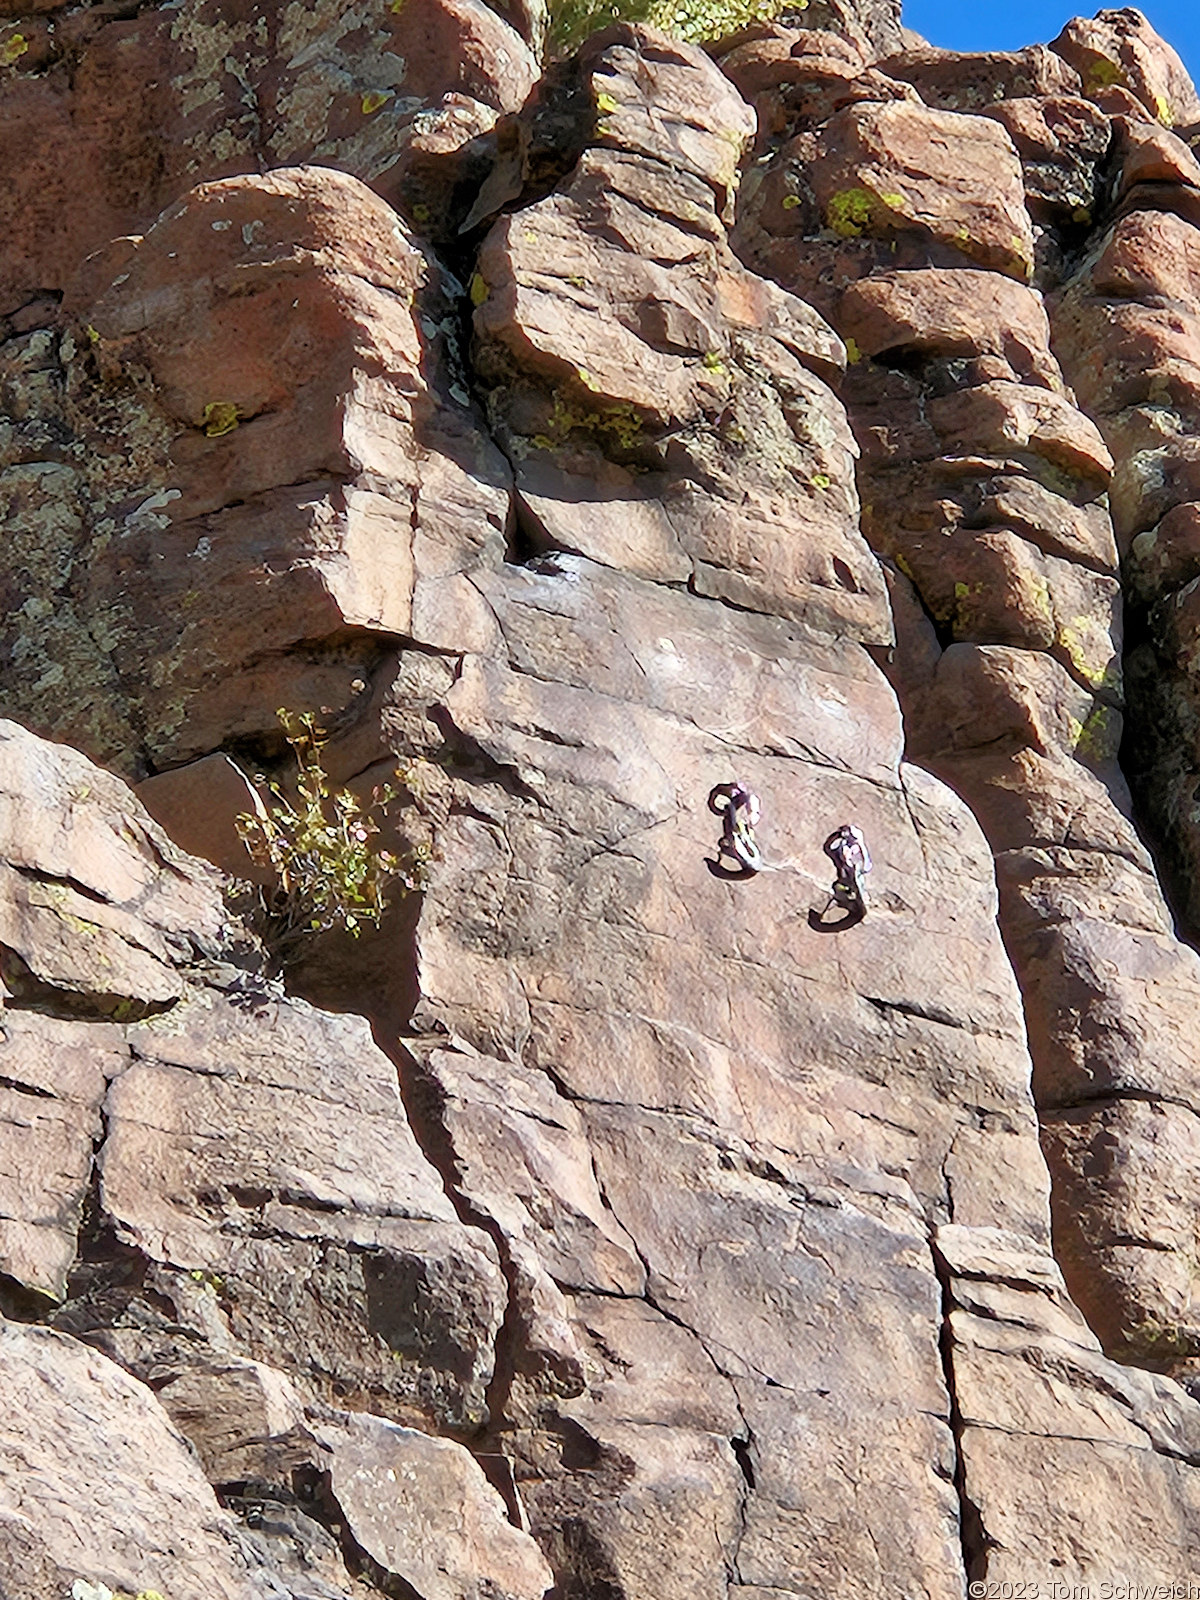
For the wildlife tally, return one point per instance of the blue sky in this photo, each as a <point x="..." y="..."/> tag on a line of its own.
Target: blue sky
<point x="1009" y="24"/>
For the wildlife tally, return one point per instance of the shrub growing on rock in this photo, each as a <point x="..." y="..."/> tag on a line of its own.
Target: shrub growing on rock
<point x="571" y="21"/>
<point x="323" y="849"/>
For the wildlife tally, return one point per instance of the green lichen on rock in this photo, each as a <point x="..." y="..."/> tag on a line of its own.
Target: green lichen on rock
<point x="1098" y="739"/>
<point x="1104" y="74"/>
<point x="617" y="427"/>
<point x="851" y="212"/>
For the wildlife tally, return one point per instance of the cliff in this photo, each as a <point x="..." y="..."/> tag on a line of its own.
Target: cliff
<point x="582" y="434"/>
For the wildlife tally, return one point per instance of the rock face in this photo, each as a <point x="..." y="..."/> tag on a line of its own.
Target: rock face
<point x="607" y="1224"/>
<point x="984" y="488"/>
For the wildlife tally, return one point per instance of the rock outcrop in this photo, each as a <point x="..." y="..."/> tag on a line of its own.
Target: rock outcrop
<point x="986" y="492"/>
<point x="605" y="1224"/>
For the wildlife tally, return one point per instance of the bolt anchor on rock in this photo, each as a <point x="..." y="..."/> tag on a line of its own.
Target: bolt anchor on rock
<point x="846" y="847"/>
<point x="740" y="808"/>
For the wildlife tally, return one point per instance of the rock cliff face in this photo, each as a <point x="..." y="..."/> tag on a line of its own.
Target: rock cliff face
<point x="605" y="1225"/>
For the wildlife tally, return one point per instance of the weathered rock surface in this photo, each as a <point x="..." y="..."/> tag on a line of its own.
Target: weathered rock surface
<point x="423" y="1512"/>
<point x="1119" y="49"/>
<point x="667" y="412"/>
<point x="254" y="462"/>
<point x="982" y="484"/>
<point x="625" y="1227"/>
<point x="108" y="118"/>
<point x="97" y="1485"/>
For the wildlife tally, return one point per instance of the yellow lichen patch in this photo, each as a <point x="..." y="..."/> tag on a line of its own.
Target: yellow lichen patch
<point x="605" y="102"/>
<point x="1037" y="596"/>
<point x="1102" y="73"/>
<point x="218" y="417"/>
<point x="790" y="202"/>
<point x="1024" y="257"/>
<point x="374" y="99"/>
<point x="1098" y="738"/>
<point x="1085" y="641"/>
<point x="619" y="426"/>
<point x="961" y="590"/>
<point x="697" y="20"/>
<point x="396" y="6"/>
<point x="1162" y="110"/>
<point x="853" y="353"/>
<point x="420" y="213"/>
<point x="587" y="380"/>
<point x="712" y="360"/>
<point x="212" y="1282"/>
<point x="479" y="289"/>
<point x="13" y="48"/>
<point x="821" y="480"/>
<point x="849" y="213"/>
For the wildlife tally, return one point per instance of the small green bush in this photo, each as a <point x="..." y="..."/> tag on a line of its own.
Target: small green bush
<point x="323" y="850"/>
<point x="572" y="21"/>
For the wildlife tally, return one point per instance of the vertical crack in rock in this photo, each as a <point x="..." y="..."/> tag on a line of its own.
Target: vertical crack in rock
<point x="974" y="1539"/>
<point x="423" y="1103"/>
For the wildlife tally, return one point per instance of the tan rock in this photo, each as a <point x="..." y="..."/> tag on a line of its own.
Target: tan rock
<point x="96" y="1484"/>
<point x="1120" y="48"/>
<point x="1149" y="153"/>
<point x="950" y="80"/>
<point x="947" y="494"/>
<point x="274" y="490"/>
<point x="89" y="923"/>
<point x="1112" y="992"/>
<point x="1033" y="1389"/>
<point x="198" y="805"/>
<point x="522" y="1154"/>
<point x="799" y="79"/>
<point x="1127" y="1159"/>
<point x="992" y="587"/>
<point x="699" y="123"/>
<point x="612" y="323"/>
<point x="245" y="1420"/>
<point x="1061" y="140"/>
<point x="299" y="1166"/>
<point x="1148" y="253"/>
<point x="993" y="710"/>
<point x="55" y="1076"/>
<point x="1000" y="419"/>
<point x="108" y="120"/>
<point x="885" y="170"/>
<point x="1168" y="556"/>
<point x="423" y="1512"/>
<point x="951" y="313"/>
<point x="786" y="1337"/>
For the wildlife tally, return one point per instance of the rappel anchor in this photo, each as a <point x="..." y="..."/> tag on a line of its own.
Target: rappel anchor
<point x="740" y="808"/>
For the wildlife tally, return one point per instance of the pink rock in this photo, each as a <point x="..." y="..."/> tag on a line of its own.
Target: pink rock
<point x="1121" y="49"/>
<point x="893" y="169"/>
<point x="950" y="80"/>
